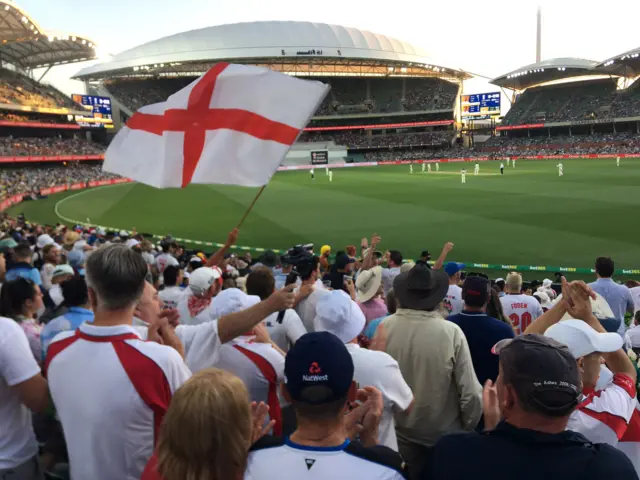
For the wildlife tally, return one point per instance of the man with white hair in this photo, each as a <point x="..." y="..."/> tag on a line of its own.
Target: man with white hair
<point x="204" y="284"/>
<point x="338" y="314"/>
<point x="520" y="309"/>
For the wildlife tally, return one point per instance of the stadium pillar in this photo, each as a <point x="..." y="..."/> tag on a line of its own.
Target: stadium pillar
<point x="614" y="127"/>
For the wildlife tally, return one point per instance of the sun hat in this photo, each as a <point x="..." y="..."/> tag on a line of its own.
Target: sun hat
<point x="43" y="241"/>
<point x="228" y="301"/>
<point x="542" y="371"/>
<point x="582" y="339"/>
<point x="338" y="314"/>
<point x="318" y="359"/>
<point x="544" y="299"/>
<point x="368" y="283"/>
<point x="70" y="238"/>
<point x="421" y="288"/>
<point x="62" y="270"/>
<point x="201" y="279"/>
<point x="546" y="283"/>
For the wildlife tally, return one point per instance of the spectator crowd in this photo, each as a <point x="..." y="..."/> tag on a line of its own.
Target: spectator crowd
<point x="18" y="89"/>
<point x="124" y="359"/>
<point x="47" y="146"/>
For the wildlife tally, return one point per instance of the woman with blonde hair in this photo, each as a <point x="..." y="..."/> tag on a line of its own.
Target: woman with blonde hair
<point x="207" y="430"/>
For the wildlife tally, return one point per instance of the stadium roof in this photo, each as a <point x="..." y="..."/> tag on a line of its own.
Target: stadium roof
<point x="546" y="71"/>
<point x="626" y="64"/>
<point x="25" y="44"/>
<point x="292" y="47"/>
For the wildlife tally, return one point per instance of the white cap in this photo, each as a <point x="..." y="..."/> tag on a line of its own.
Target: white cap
<point x="545" y="301"/>
<point x="499" y="280"/>
<point x="228" y="301"/>
<point x="44" y="240"/>
<point x="100" y="231"/>
<point x="62" y="270"/>
<point x="582" y="339"/>
<point x="124" y="233"/>
<point x="195" y="258"/>
<point x="201" y="280"/>
<point x="132" y="242"/>
<point x="338" y="314"/>
<point x="546" y="283"/>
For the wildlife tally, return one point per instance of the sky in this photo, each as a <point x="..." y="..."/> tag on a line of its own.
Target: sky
<point x="488" y="37"/>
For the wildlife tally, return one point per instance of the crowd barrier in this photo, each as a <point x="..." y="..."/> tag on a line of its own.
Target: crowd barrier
<point x="16" y="199"/>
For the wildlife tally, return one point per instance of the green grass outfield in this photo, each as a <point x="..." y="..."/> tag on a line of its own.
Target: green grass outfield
<point x="529" y="216"/>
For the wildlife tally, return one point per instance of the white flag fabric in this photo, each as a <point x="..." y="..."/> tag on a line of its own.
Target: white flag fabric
<point x="234" y="125"/>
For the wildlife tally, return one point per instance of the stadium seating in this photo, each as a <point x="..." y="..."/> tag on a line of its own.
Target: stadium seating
<point x="27" y="146"/>
<point x="353" y="139"/>
<point x="17" y="89"/>
<point x="348" y="95"/>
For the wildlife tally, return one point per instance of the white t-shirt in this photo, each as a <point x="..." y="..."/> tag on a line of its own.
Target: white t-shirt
<point x="306" y="309"/>
<point x="46" y="272"/>
<point x="149" y="258"/>
<point x="388" y="275"/>
<point x="164" y="260"/>
<point x="171" y="296"/>
<point x="185" y="316"/>
<point x="521" y="310"/>
<point x="288" y="331"/>
<point x="299" y="462"/>
<point x="453" y="301"/>
<point x="56" y="294"/>
<point x="111" y="390"/>
<point x="635" y="294"/>
<point x="380" y="370"/>
<point x="17" y="440"/>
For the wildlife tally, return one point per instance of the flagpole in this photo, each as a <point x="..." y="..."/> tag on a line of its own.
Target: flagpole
<point x="246" y="214"/>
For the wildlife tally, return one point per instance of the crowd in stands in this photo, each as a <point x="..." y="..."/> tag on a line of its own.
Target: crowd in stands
<point x="17" y="89"/>
<point x="48" y="146"/>
<point x="124" y="359"/>
<point x="347" y="95"/>
<point x="589" y="100"/>
<point x="352" y="139"/>
<point x="17" y="117"/>
<point x="30" y="180"/>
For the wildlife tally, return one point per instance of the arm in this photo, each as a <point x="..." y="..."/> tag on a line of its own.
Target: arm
<point x="294" y="326"/>
<point x="367" y="261"/>
<point x="234" y="325"/>
<point x="443" y="256"/>
<point x="546" y="320"/>
<point x="34" y="393"/>
<point x="631" y="304"/>
<point x="218" y="257"/>
<point x="618" y="361"/>
<point x="469" y="389"/>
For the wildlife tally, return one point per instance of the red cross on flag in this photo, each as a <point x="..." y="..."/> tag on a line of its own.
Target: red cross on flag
<point x="234" y="125"/>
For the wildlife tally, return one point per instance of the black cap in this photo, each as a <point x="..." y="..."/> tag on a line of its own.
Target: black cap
<point x="475" y="291"/>
<point x="543" y="373"/>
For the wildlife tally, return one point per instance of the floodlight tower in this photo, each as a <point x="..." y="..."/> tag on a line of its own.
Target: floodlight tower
<point x="539" y="36"/>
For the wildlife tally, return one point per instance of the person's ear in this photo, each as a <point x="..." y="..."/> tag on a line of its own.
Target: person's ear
<point x="93" y="299"/>
<point x="352" y="395"/>
<point x="509" y="401"/>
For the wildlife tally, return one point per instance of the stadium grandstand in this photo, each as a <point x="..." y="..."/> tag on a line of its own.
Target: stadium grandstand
<point x="38" y="123"/>
<point x="385" y="93"/>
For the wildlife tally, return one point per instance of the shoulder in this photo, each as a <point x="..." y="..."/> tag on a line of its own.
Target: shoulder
<point x="612" y="461"/>
<point x="454" y="441"/>
<point x="381" y="455"/>
<point x="163" y="356"/>
<point x="9" y="327"/>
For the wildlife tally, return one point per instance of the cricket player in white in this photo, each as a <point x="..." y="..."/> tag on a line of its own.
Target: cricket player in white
<point x="437" y="166"/>
<point x="502" y="167"/>
<point x="476" y="169"/>
<point x="423" y="167"/>
<point x="313" y="175"/>
<point x="326" y="170"/>
<point x="560" y="167"/>
<point x="330" y="176"/>
<point x="429" y="167"/>
<point x="463" y="173"/>
<point x="513" y="163"/>
<point x="507" y="162"/>
<point x="617" y="161"/>
<point x="411" y="168"/>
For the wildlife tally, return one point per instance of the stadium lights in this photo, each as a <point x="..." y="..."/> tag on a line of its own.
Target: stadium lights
<point x="7" y="7"/>
<point x="50" y="39"/>
<point x="73" y="39"/>
<point x="84" y="41"/>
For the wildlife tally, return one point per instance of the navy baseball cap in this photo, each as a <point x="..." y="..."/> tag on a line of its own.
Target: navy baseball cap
<point x="453" y="267"/>
<point x="475" y="291"/>
<point x="318" y="359"/>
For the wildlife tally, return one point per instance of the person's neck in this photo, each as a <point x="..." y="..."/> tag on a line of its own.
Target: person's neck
<point x="467" y="308"/>
<point x="320" y="434"/>
<point x="23" y="260"/>
<point x="538" y="423"/>
<point x="453" y="281"/>
<point x="111" y="318"/>
<point x="513" y="292"/>
<point x="603" y="278"/>
<point x="308" y="281"/>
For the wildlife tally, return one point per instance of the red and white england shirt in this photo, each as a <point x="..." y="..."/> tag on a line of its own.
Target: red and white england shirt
<point x="630" y="441"/>
<point x="260" y="367"/>
<point x="603" y="416"/>
<point x="521" y="310"/>
<point x="111" y="390"/>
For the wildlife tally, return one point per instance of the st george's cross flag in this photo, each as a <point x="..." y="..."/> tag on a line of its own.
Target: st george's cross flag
<point x="233" y="125"/>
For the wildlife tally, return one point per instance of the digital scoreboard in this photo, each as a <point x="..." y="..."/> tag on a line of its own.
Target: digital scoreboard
<point x="319" y="157"/>
<point x="480" y="105"/>
<point x="98" y="111"/>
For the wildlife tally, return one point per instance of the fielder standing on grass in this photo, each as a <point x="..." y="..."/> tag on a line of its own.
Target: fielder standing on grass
<point x="476" y="169"/>
<point x="330" y="176"/>
<point x="313" y="175"/>
<point x="463" y="173"/>
<point x="560" y="169"/>
<point x="617" y="161"/>
<point x="411" y="168"/>
<point x="513" y="163"/>
<point x="429" y="167"/>
<point x="423" y="167"/>
<point x="437" y="166"/>
<point x="502" y="167"/>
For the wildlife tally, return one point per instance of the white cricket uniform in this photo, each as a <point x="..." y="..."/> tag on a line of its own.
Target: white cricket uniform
<point x="476" y="169"/>
<point x="453" y="300"/>
<point x="560" y="170"/>
<point x="603" y="416"/>
<point x="437" y="166"/>
<point x="345" y="462"/>
<point x="326" y="170"/>
<point x="411" y="168"/>
<point x="165" y="260"/>
<point x="171" y="296"/>
<point x="428" y="167"/>
<point x="261" y="369"/>
<point x="463" y="174"/>
<point x="380" y="370"/>
<point x="513" y="163"/>
<point x="521" y="310"/>
<point x="111" y="390"/>
<point x="287" y="331"/>
<point x="330" y="176"/>
<point x="507" y="164"/>
<point x="618" y="161"/>
<point x="17" y="441"/>
<point x="423" y="167"/>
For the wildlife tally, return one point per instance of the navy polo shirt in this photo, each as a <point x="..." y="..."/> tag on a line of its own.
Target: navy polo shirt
<point x="482" y="332"/>
<point x="509" y="453"/>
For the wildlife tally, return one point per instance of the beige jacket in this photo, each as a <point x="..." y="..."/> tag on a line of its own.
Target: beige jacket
<point x="434" y="359"/>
